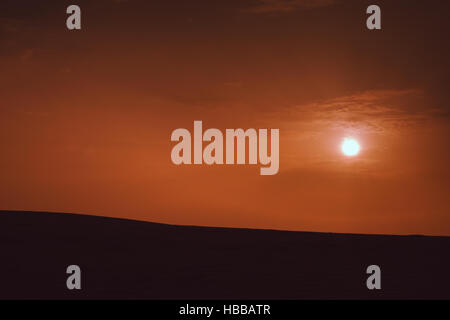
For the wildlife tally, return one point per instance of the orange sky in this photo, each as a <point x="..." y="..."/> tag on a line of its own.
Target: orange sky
<point x="86" y="116"/>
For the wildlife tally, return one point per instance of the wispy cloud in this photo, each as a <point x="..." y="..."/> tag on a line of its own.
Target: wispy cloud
<point x="374" y="115"/>
<point x="375" y="111"/>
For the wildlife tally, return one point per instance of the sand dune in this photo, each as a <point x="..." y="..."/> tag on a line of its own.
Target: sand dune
<point x="124" y="259"/>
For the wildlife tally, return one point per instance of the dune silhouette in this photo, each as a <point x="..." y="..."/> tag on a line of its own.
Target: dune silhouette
<point x="126" y="259"/>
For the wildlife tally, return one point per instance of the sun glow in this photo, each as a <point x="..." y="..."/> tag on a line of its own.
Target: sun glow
<point x="350" y="147"/>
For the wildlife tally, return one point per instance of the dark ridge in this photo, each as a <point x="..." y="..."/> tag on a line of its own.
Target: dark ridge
<point x="126" y="259"/>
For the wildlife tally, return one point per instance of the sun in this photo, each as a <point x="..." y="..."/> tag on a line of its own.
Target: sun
<point x="350" y="147"/>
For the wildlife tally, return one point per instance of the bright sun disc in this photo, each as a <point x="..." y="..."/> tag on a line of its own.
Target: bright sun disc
<point x="350" y="147"/>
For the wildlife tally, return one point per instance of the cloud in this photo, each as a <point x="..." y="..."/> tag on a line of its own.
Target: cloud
<point x="269" y="6"/>
<point x="375" y="111"/>
<point x="377" y="118"/>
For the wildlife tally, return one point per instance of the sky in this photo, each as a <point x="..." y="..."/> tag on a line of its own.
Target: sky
<point x="86" y="116"/>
